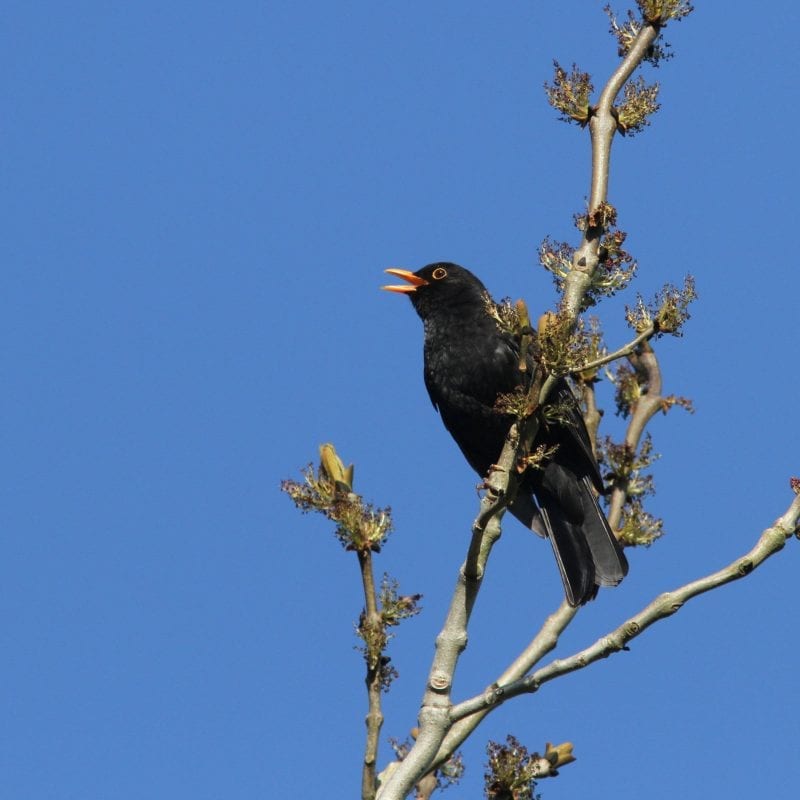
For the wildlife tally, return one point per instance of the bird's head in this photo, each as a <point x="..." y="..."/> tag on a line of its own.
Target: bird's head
<point x="438" y="288"/>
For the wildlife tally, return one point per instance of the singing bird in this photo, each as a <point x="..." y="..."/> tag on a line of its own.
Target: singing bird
<point x="469" y="361"/>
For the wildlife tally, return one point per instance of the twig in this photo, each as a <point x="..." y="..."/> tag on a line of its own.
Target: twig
<point x="665" y="605"/>
<point x="374" y="718"/>
<point x="625" y="350"/>
<point x="591" y="414"/>
<point x="434" y="717"/>
<point x="543" y="643"/>
<point x="646" y="408"/>
<point x="603" y="123"/>
<point x="469" y="713"/>
<point x="602" y="127"/>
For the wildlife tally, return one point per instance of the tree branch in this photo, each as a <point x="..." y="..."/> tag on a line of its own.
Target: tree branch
<point x="646" y="408"/>
<point x="603" y="124"/>
<point x="466" y="715"/>
<point x="544" y="641"/>
<point x="625" y="350"/>
<point x="591" y="413"/>
<point x="374" y="718"/>
<point x="665" y="605"/>
<point x="434" y="717"/>
<point x="602" y="127"/>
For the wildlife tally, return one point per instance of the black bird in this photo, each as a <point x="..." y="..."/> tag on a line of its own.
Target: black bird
<point x="469" y="361"/>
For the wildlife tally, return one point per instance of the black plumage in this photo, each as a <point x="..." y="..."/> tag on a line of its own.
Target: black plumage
<point x="469" y="361"/>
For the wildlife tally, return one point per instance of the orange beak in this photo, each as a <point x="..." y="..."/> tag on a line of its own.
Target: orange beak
<point x="413" y="280"/>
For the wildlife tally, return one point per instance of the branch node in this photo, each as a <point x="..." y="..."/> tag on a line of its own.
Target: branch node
<point x="745" y="567"/>
<point x="493" y="694"/>
<point x="632" y="629"/>
<point x="669" y="603"/>
<point x="440" y="681"/>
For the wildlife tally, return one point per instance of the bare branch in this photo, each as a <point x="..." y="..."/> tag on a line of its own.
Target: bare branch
<point x="544" y="641"/>
<point x="603" y="124"/>
<point x="602" y="127"/>
<point x="434" y="717"/>
<point x="770" y="542"/>
<point x="374" y="718"/>
<point x="665" y="605"/>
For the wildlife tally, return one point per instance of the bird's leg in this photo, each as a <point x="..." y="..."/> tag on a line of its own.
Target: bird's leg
<point x="486" y="484"/>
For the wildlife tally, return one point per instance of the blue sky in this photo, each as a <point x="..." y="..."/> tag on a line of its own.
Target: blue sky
<point x="198" y="203"/>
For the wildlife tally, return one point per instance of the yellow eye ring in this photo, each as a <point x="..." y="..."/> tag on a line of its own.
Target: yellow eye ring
<point x="439" y="273"/>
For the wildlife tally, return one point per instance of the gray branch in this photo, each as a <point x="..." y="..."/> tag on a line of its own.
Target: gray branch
<point x="665" y="605"/>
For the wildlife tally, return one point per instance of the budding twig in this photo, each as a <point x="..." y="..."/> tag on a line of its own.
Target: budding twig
<point x="625" y="350"/>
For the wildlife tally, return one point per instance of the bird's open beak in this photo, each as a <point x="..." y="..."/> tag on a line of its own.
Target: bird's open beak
<point x="412" y="279"/>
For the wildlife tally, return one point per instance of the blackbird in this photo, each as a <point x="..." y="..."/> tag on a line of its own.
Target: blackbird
<point x="469" y="361"/>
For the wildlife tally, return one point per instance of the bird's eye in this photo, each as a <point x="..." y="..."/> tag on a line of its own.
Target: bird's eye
<point x="439" y="273"/>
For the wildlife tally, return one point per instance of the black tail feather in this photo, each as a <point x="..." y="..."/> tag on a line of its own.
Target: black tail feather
<point x="573" y="556"/>
<point x="610" y="564"/>
<point x="586" y="550"/>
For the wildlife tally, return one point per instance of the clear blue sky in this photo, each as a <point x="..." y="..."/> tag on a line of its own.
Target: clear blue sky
<point x="198" y="201"/>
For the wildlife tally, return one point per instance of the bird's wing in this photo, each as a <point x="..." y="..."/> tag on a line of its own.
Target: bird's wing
<point x="477" y="428"/>
<point x="463" y="384"/>
<point x="569" y="431"/>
